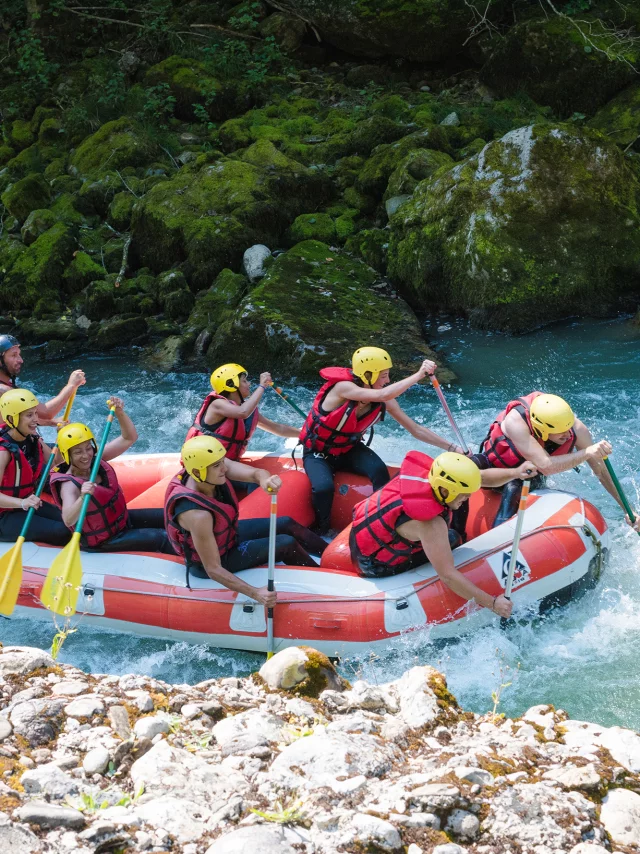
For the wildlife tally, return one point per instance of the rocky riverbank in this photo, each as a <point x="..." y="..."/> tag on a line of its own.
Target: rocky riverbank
<point x="296" y="760"/>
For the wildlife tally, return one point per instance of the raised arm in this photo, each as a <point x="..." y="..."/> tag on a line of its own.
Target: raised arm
<point x="219" y="409"/>
<point x="423" y="434"/>
<point x="347" y="390"/>
<point x="200" y="524"/>
<point x="128" y="433"/>
<point x="47" y="411"/>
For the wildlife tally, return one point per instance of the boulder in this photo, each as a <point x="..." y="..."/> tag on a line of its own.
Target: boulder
<point x="261" y="838"/>
<point x="217" y="304"/>
<point x="37" y="273"/>
<point x="81" y="272"/>
<point x="151" y="726"/>
<point x="253" y="260"/>
<point x="529" y="230"/>
<point x="317" y="226"/>
<point x="26" y="195"/>
<point x="96" y="761"/>
<point x="20" y="660"/>
<point x="552" y="62"/>
<point x="84" y="707"/>
<point x="620" y="815"/>
<point x="117" y="144"/>
<point x="416" y="166"/>
<point x="36" y="224"/>
<point x="372" y="833"/>
<point x="49" y="779"/>
<point x="286" y="31"/>
<point x="308" y="310"/>
<point x="620" y="118"/>
<point x="49" y="816"/>
<point x="19" y="839"/>
<point x="190" y="84"/>
<point x="420" y="30"/>
<point x="117" y="332"/>
<point x="167" y="355"/>
<point x="208" y="218"/>
<point x="305" y="670"/>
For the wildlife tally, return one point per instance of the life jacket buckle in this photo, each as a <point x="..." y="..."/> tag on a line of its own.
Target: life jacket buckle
<point x="402" y="604"/>
<point x="248" y="608"/>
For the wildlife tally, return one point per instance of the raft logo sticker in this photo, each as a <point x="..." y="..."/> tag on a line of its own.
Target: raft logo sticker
<point x="499" y="563"/>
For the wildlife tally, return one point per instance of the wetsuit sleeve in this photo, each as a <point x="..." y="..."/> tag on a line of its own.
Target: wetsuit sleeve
<point x="481" y="461"/>
<point x="184" y="504"/>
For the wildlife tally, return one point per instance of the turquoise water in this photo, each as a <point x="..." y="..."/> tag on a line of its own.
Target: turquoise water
<point x="583" y="658"/>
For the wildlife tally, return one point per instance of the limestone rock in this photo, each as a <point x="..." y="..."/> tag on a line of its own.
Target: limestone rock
<point x="368" y="830"/>
<point x="84" y="707"/>
<point x="253" y="261"/>
<point x="255" y="721"/>
<point x="5" y="729"/>
<point x="36" y="720"/>
<point x="69" y="688"/>
<point x="96" y="761"/>
<point x="49" y="816"/>
<point x="418" y="703"/>
<point x="48" y="779"/>
<point x="463" y="824"/>
<point x="151" y="726"/>
<point x="178" y="815"/>
<point x="575" y="777"/>
<point x="120" y="721"/>
<point x="21" y="660"/>
<point x="261" y="838"/>
<point x="620" y="815"/>
<point x="36" y="224"/>
<point x="16" y="838"/>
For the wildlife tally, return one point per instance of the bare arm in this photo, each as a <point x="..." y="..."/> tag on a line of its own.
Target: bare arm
<point x="583" y="440"/>
<point x="47" y="411"/>
<point x="200" y="524"/>
<point x="8" y="501"/>
<point x="498" y="477"/>
<point x="219" y="409"/>
<point x="128" y="433"/>
<point x="71" y="498"/>
<point x="423" y="434"/>
<point x="347" y="390"/>
<point x="248" y="474"/>
<point x="278" y="429"/>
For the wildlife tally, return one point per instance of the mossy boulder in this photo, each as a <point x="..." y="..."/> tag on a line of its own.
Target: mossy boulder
<point x="23" y="164"/>
<point x="99" y="300"/>
<point x="420" y="30"/>
<point x="120" y="143"/>
<point x="26" y="195"/>
<point x="207" y="218"/>
<point x="540" y="225"/>
<point x="552" y="62"/>
<point x="416" y="166"/>
<point x="217" y="304"/>
<point x="286" y="31"/>
<point x="371" y="244"/>
<point x="310" y="309"/>
<point x="37" y="272"/>
<point x="95" y="195"/>
<point x="19" y="134"/>
<point x="121" y="209"/>
<point x="6" y="154"/>
<point x="117" y="332"/>
<point x="316" y="226"/>
<point x="36" y="224"/>
<point x="303" y="671"/>
<point x="620" y="118"/>
<point x="190" y="83"/>
<point x="81" y="271"/>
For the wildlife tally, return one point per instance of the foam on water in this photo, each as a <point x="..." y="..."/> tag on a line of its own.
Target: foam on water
<point x="583" y="658"/>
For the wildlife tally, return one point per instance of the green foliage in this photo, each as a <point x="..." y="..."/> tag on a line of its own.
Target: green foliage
<point x="159" y="104"/>
<point x="575" y="7"/>
<point x="291" y="814"/>
<point x="236" y="60"/>
<point x="31" y="65"/>
<point x="247" y="17"/>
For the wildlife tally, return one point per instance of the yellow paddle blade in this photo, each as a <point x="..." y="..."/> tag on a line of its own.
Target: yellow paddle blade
<point x="62" y="584"/>
<point x="10" y="577"/>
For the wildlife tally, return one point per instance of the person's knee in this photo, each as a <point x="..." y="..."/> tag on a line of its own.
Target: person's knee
<point x="285" y="541"/>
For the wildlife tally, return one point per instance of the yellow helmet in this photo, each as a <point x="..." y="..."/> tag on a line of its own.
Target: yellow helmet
<point x="550" y="414"/>
<point x="227" y="377"/>
<point x="458" y="474"/>
<point x="14" y="402"/>
<point x="370" y="359"/>
<point x="72" y="435"/>
<point x="199" y="453"/>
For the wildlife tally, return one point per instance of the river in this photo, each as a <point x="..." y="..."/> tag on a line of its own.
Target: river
<point x="583" y="658"/>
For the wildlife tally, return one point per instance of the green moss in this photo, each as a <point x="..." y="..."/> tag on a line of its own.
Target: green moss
<point x="190" y="83"/>
<point x="56" y="169"/>
<point x="6" y="154"/>
<point x="26" y="195"/>
<point x="216" y="305"/>
<point x="371" y="245"/>
<point x="116" y="144"/>
<point x="375" y="175"/>
<point x="620" y="118"/>
<point x="20" y="134"/>
<point x="37" y="272"/>
<point x="321" y="674"/>
<point x="99" y="301"/>
<point x="117" y="332"/>
<point x="540" y="225"/>
<point x="80" y="272"/>
<point x="26" y="163"/>
<point x="415" y="167"/>
<point x="318" y="226"/>
<point x="308" y="310"/>
<point x="345" y="224"/>
<point x="36" y="224"/>
<point x="121" y="209"/>
<point x="51" y="132"/>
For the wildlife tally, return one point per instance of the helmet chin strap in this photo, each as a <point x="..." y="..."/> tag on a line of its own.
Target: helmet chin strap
<point x="18" y="430"/>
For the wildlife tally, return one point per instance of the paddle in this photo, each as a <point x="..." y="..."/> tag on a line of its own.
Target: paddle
<point x="11" y="562"/>
<point x="620" y="491"/>
<point x="288" y="400"/>
<point x="273" y="521"/>
<point x="504" y="622"/>
<point x="445" y="406"/>
<point x="62" y="584"/>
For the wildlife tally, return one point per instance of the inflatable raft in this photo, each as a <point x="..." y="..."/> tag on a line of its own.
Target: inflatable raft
<point x="562" y="553"/>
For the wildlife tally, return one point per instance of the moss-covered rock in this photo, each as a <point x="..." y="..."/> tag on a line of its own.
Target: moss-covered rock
<point x="620" y="118"/>
<point x="415" y="166"/>
<point x="217" y="304"/>
<point x="371" y="244"/>
<point x="420" y="30"/>
<point x="25" y="163"/>
<point x="208" y="218"/>
<point x="117" y="332"/>
<point x="37" y="272"/>
<point x="95" y="195"/>
<point x="540" y="225"/>
<point x="553" y="63"/>
<point x="190" y="83"/>
<point x="117" y="144"/>
<point x="310" y="309"/>
<point x="26" y="195"/>
<point x="6" y="154"/>
<point x="121" y="209"/>
<point x="99" y="301"/>
<point x="81" y="271"/>
<point x="316" y="226"/>
<point x="36" y="224"/>
<point x="19" y="134"/>
<point x="286" y="31"/>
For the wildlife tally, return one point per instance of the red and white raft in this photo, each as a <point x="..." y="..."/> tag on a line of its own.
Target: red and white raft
<point x="562" y="552"/>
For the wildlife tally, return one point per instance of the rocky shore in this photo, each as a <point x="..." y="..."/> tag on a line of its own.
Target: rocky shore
<point x="295" y="759"/>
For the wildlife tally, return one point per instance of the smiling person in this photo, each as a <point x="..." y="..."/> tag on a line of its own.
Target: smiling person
<point x="108" y="525"/>
<point x="407" y="522"/>
<point x="345" y="408"/>
<point x="230" y="412"/>
<point x="543" y="429"/>
<point x="11" y="363"/>
<point x="201" y="517"/>
<point x="23" y="456"/>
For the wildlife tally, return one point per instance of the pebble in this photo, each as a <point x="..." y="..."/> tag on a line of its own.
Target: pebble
<point x="119" y="720"/>
<point x="5" y="729"/>
<point x="151" y="726"/>
<point x="47" y="815"/>
<point x="84" y="707"/>
<point x="96" y="761"/>
<point x="620" y="815"/>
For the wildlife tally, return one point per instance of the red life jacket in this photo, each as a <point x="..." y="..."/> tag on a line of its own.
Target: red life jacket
<point x="224" y="512"/>
<point x="234" y="433"/>
<point x="107" y="514"/>
<point x="337" y="432"/>
<point x="407" y="496"/>
<point x="20" y="478"/>
<point x="500" y="450"/>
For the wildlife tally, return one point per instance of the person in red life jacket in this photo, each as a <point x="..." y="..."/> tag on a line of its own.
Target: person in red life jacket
<point x="230" y="412"/>
<point x="23" y="456"/>
<point x="543" y="429"/>
<point x="348" y="405"/>
<point x="108" y="526"/>
<point x="201" y="517"/>
<point x="406" y="522"/>
<point x="10" y="366"/>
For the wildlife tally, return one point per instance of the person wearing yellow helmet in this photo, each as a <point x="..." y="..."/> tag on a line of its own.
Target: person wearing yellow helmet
<point x="23" y="457"/>
<point x="407" y="522"/>
<point x="201" y="518"/>
<point x="11" y="363"/>
<point x="543" y="429"/>
<point x="230" y="412"/>
<point x="348" y="405"/>
<point x="108" y="525"/>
